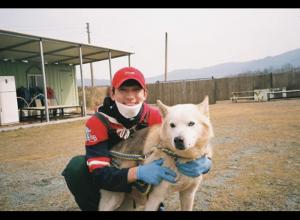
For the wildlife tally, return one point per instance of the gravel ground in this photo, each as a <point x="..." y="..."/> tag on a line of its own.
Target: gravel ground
<point x="255" y="163"/>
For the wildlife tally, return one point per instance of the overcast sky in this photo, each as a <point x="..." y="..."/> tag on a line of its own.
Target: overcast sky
<point x="196" y="37"/>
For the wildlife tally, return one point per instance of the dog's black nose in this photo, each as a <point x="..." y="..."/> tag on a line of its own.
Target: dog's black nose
<point x="179" y="143"/>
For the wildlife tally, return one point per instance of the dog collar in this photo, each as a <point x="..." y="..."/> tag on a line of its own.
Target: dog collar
<point x="170" y="152"/>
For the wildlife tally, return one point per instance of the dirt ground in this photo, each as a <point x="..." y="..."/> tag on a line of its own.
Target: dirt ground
<point x="256" y="162"/>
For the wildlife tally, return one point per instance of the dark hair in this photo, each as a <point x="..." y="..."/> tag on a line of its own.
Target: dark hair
<point x="129" y="82"/>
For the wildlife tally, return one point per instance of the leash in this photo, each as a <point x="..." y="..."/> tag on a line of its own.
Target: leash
<point x="142" y="157"/>
<point x="125" y="156"/>
<point x="142" y="187"/>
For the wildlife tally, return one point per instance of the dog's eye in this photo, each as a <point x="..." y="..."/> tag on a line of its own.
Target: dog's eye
<point x="172" y="125"/>
<point x="191" y="123"/>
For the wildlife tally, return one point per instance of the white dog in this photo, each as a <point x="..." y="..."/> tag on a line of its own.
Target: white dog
<point x="187" y="124"/>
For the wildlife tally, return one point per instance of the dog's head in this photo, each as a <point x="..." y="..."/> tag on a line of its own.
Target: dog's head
<point x="185" y="126"/>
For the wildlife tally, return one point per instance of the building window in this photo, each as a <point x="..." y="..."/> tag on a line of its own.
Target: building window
<point x="35" y="81"/>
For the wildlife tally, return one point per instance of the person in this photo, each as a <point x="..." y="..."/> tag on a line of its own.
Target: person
<point x="124" y="110"/>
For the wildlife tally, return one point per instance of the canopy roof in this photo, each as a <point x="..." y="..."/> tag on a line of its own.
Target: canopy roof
<point x="25" y="47"/>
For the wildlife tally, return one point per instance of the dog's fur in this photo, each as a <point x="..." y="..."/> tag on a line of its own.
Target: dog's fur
<point x="193" y="128"/>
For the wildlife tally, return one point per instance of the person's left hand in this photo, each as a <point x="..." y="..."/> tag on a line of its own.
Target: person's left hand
<point x="195" y="168"/>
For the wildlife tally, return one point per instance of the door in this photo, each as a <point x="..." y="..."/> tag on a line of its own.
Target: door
<point x="67" y="88"/>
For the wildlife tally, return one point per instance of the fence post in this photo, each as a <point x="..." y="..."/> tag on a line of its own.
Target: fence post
<point x="271" y="80"/>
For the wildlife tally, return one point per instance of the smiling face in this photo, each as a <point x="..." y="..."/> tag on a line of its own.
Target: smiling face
<point x="185" y="126"/>
<point x="129" y="93"/>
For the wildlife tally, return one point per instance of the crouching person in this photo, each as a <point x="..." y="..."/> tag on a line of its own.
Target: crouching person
<point x="86" y="174"/>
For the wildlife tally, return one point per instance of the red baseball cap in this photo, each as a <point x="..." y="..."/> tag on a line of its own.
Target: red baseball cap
<point x="128" y="73"/>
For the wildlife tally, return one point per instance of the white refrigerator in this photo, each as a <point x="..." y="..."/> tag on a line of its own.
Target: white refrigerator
<point x="8" y="101"/>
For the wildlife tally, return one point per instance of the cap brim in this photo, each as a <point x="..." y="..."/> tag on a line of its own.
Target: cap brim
<point x="128" y="78"/>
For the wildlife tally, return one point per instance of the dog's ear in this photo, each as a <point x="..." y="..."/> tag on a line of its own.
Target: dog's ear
<point x="204" y="106"/>
<point x="162" y="107"/>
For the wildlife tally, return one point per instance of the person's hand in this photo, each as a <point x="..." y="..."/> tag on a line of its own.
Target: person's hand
<point x="153" y="173"/>
<point x="195" y="168"/>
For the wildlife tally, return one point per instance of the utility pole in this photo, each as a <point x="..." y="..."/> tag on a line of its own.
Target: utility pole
<point x="166" y="56"/>
<point x="91" y="64"/>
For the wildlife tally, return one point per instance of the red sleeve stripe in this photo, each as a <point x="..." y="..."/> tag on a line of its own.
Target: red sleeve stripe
<point x="94" y="162"/>
<point x="103" y="159"/>
<point x="95" y="166"/>
<point x="98" y="162"/>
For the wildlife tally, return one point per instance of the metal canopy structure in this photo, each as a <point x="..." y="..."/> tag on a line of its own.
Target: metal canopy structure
<point x="30" y="48"/>
<point x="24" y="47"/>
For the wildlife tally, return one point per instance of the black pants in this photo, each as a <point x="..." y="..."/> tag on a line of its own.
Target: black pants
<point x="79" y="182"/>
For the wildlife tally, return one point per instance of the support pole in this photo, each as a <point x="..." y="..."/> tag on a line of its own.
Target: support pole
<point x="129" y="60"/>
<point x="44" y="80"/>
<point x="166" y="56"/>
<point x="91" y="64"/>
<point x="83" y="90"/>
<point x="109" y="60"/>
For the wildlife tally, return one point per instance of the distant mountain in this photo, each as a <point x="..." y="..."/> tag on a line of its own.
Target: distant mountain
<point x="290" y="58"/>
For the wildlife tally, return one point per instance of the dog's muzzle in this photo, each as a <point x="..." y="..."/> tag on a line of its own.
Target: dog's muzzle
<point x="179" y="143"/>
